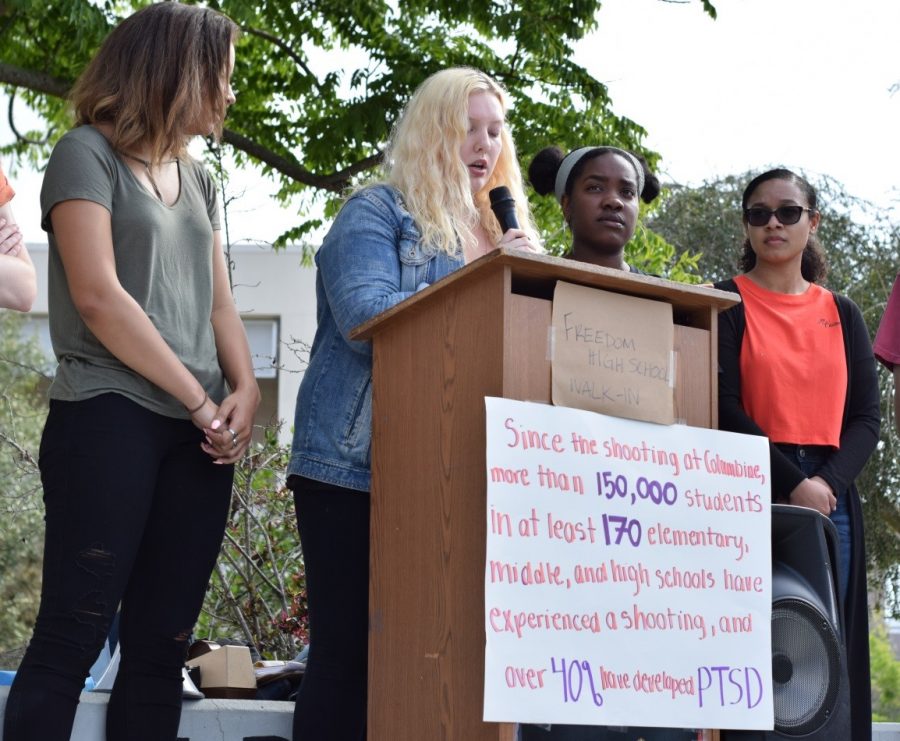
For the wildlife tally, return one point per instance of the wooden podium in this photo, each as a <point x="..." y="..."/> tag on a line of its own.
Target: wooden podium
<point x="482" y="331"/>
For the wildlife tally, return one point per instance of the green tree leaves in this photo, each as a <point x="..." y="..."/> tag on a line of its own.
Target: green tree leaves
<point x="22" y="413"/>
<point x="321" y="84"/>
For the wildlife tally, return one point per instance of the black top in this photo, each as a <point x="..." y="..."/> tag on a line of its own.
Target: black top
<point x="631" y="268"/>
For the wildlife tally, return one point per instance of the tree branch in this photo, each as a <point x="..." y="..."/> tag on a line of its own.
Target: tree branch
<point x="233" y="604"/>
<point x="11" y="117"/>
<point x="24" y="454"/>
<point x="36" y="81"/>
<point x="334" y="182"/>
<point x="249" y="560"/>
<point x="287" y="49"/>
<point x="290" y="168"/>
<point x="26" y="366"/>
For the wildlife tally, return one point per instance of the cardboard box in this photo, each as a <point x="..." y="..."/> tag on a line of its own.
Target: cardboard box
<point x="226" y="672"/>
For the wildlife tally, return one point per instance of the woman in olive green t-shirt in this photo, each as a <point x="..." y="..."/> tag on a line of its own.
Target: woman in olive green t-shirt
<point x="155" y="393"/>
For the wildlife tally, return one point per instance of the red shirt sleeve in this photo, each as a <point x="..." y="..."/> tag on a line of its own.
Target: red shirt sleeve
<point x="887" y="341"/>
<point x="6" y="191"/>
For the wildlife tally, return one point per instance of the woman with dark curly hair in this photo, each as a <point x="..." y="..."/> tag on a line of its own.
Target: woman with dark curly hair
<point x="796" y="365"/>
<point x="599" y="189"/>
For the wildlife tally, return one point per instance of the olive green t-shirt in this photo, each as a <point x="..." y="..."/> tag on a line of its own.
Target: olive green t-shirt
<point x="163" y="260"/>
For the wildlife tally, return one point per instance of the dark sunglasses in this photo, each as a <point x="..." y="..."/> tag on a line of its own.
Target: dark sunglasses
<point x="787" y="215"/>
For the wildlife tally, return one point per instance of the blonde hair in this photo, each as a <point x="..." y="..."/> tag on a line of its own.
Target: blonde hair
<point x="156" y="74"/>
<point x="422" y="161"/>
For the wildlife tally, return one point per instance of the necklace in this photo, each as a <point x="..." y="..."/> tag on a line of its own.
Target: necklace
<point x="146" y="164"/>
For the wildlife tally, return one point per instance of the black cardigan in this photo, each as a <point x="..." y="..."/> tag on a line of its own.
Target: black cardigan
<point x="859" y="435"/>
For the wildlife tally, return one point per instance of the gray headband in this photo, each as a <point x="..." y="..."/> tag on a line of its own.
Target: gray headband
<point x="575" y="156"/>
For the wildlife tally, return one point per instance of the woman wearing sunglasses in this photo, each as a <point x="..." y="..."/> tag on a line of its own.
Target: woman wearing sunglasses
<point x="796" y="365"/>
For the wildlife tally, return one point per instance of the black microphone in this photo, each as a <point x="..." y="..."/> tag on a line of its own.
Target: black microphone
<point x="504" y="208"/>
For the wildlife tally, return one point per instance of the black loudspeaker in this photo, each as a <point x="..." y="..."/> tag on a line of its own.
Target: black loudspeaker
<point x="809" y="665"/>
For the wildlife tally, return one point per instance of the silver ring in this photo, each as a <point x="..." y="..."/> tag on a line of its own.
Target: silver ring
<point x="234" y="437"/>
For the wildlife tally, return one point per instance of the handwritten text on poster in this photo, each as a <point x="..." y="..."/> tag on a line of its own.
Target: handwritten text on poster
<point x="628" y="573"/>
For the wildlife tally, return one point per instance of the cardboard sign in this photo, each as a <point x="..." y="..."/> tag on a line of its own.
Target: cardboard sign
<point x="613" y="354"/>
<point x="628" y="573"/>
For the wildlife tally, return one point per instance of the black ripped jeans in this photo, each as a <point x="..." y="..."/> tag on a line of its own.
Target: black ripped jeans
<point x="135" y="511"/>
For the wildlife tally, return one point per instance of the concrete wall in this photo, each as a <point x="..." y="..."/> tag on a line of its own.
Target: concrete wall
<point x="201" y="720"/>
<point x="245" y="720"/>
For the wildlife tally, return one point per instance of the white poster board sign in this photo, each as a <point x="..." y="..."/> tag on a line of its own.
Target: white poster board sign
<point x="628" y="573"/>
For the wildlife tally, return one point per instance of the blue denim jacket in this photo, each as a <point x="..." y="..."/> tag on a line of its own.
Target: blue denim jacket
<point x="371" y="259"/>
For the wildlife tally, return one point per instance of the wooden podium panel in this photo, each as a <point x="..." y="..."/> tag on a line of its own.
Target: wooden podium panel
<point x="528" y="373"/>
<point x="482" y="331"/>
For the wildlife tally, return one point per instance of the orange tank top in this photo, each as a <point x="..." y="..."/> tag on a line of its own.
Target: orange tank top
<point x="793" y="365"/>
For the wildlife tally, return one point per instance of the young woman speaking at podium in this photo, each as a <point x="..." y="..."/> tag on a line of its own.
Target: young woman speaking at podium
<point x="426" y="217"/>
